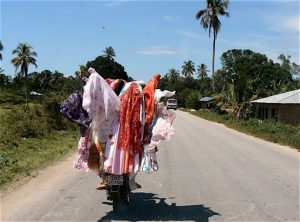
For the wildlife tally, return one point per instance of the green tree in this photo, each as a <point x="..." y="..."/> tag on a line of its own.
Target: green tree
<point x="45" y="80"/>
<point x="173" y="75"/>
<point x="188" y="69"/>
<point x="253" y="75"/>
<point x="57" y="80"/>
<point x="4" y="79"/>
<point x="108" y="68"/>
<point x="109" y="53"/>
<point x="209" y="20"/>
<point x="1" y="48"/>
<point x="202" y="71"/>
<point x="25" y="57"/>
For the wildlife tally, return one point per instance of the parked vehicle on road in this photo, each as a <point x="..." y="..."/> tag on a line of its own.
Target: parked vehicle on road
<point x="172" y="104"/>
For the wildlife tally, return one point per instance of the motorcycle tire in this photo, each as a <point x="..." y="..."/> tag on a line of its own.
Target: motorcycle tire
<point x="122" y="203"/>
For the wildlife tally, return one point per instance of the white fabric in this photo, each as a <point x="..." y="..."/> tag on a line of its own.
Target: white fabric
<point x="102" y="105"/>
<point x="160" y="94"/>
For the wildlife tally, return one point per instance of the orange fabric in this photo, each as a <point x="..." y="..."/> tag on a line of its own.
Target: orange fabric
<point x="94" y="157"/>
<point x="149" y="99"/>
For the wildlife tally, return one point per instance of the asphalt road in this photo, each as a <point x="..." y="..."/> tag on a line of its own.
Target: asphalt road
<point x="207" y="172"/>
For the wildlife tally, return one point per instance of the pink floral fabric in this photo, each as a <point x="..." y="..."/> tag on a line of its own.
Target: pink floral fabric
<point x="102" y="105"/>
<point x="82" y="155"/>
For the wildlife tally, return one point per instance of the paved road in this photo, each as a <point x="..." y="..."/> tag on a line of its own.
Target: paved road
<point x="207" y="173"/>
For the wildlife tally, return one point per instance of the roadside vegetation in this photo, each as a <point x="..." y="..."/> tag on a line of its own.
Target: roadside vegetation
<point x="269" y="130"/>
<point x="31" y="137"/>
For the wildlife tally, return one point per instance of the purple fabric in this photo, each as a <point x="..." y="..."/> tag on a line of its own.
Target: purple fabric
<point x="72" y="109"/>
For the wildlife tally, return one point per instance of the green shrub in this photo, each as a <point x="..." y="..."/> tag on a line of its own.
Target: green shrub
<point x="26" y="122"/>
<point x="192" y="99"/>
<point x="271" y="130"/>
<point x="56" y="120"/>
<point x="7" y="96"/>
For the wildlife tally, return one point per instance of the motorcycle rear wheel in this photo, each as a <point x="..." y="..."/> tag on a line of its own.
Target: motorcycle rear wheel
<point x="121" y="202"/>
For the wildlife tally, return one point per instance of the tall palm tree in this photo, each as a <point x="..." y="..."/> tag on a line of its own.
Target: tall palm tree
<point x="202" y="71"/>
<point x="25" y="57"/>
<point x="1" y="48"/>
<point x="173" y="75"/>
<point x="109" y="53"/>
<point x="209" y="20"/>
<point x="188" y="68"/>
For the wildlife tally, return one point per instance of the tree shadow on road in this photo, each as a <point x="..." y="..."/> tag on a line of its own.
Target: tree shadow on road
<point x="149" y="207"/>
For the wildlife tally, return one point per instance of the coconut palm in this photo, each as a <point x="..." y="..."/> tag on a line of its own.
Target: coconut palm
<point x="1" y="48"/>
<point x="173" y="75"/>
<point x="202" y="71"/>
<point x="25" y="57"/>
<point x="80" y="73"/>
<point x="57" y="80"/>
<point x="109" y="53"/>
<point x="188" y="68"/>
<point x="209" y="20"/>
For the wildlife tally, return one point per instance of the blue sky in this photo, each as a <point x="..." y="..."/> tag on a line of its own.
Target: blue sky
<point x="149" y="37"/>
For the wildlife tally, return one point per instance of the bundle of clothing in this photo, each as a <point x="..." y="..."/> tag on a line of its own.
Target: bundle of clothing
<point x="124" y="123"/>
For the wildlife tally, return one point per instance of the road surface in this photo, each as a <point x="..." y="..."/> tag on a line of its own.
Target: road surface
<point x="207" y="172"/>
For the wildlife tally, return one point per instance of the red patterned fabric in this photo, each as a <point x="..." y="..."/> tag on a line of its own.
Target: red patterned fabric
<point x="130" y="126"/>
<point x="149" y="99"/>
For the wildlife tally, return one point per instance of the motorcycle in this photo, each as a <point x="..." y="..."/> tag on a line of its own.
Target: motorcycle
<point x="118" y="190"/>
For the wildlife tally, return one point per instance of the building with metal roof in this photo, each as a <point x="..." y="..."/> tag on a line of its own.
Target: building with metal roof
<point x="205" y="102"/>
<point x="292" y="97"/>
<point x="284" y="107"/>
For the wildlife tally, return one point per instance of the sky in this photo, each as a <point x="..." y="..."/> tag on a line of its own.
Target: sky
<point x="148" y="37"/>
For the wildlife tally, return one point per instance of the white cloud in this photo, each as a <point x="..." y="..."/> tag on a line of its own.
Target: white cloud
<point x="157" y="50"/>
<point x="169" y="18"/>
<point x="286" y="24"/>
<point x="190" y="34"/>
<point x="114" y="3"/>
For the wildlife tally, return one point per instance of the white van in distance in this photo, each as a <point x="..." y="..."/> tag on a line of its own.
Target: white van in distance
<point x="172" y="104"/>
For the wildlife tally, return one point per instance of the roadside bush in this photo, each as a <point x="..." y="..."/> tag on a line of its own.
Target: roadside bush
<point x="26" y="122"/>
<point x="55" y="119"/>
<point x="7" y="96"/>
<point x="192" y="100"/>
<point x="271" y="130"/>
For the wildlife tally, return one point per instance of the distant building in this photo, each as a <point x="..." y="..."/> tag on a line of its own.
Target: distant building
<point x="32" y="93"/>
<point x="206" y="102"/>
<point x="284" y="107"/>
<point x="36" y="96"/>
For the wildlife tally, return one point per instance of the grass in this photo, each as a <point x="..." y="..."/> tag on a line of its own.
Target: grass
<point x="269" y="130"/>
<point x="21" y="157"/>
<point x="24" y="157"/>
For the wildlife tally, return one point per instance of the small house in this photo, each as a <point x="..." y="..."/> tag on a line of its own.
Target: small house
<point x="284" y="107"/>
<point x="206" y="102"/>
<point x="36" y="96"/>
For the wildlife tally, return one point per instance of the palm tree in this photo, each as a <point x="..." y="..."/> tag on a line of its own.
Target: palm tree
<point x="57" y="80"/>
<point x="202" y="71"/>
<point x="109" y="53"/>
<point x="173" y="75"/>
<point x="209" y="20"/>
<point x="25" y="57"/>
<point x="45" y="80"/>
<point x="80" y="73"/>
<point x="1" y="48"/>
<point x="188" y="68"/>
